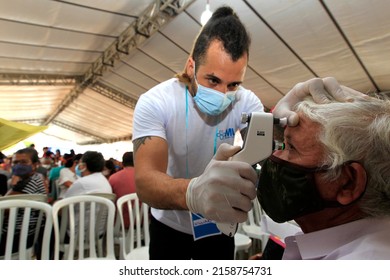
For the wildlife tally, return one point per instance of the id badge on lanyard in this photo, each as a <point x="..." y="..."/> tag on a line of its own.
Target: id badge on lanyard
<point x="201" y="227"/>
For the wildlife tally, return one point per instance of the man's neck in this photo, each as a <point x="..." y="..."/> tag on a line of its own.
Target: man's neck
<point x="329" y="217"/>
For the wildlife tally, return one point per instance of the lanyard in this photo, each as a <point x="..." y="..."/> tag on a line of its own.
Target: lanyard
<point x="186" y="133"/>
<point x="215" y="136"/>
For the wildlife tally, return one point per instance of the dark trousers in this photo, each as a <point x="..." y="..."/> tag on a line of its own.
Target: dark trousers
<point x="169" y="244"/>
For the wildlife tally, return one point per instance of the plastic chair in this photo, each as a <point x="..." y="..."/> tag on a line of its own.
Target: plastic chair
<point x="28" y="221"/>
<point x="241" y="243"/>
<point x="252" y="227"/>
<point x="33" y="196"/>
<point x="112" y="197"/>
<point x="118" y="236"/>
<point x="85" y="219"/>
<point x="280" y="230"/>
<point x="135" y="239"/>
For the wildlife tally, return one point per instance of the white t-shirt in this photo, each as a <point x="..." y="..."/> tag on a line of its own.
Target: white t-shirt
<point x="169" y="111"/>
<point x="93" y="183"/>
<point x="65" y="175"/>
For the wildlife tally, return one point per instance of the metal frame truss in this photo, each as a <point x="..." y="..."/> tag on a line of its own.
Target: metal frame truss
<point x="148" y="23"/>
<point x="38" y="80"/>
<point x="114" y="95"/>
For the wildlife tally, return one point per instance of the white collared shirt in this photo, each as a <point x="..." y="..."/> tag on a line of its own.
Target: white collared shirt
<point x="365" y="239"/>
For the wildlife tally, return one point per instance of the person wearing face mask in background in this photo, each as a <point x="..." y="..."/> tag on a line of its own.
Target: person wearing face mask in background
<point x="109" y="168"/>
<point x="68" y="175"/>
<point x="91" y="180"/>
<point x="180" y="124"/>
<point x="24" y="180"/>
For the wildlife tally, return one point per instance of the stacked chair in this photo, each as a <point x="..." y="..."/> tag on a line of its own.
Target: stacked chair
<point x="134" y="240"/>
<point x="81" y="225"/>
<point x="25" y="217"/>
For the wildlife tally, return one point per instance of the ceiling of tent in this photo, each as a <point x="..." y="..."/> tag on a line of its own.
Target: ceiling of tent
<point x="79" y="66"/>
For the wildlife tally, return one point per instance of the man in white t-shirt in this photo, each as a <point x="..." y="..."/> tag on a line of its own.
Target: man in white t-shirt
<point x="92" y="180"/>
<point x="178" y="127"/>
<point x="181" y="129"/>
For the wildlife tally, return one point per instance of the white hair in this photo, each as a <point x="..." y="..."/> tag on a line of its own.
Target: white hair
<point x="357" y="131"/>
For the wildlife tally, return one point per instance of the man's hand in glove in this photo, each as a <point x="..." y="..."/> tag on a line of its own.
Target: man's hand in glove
<point x="224" y="191"/>
<point x="322" y="91"/>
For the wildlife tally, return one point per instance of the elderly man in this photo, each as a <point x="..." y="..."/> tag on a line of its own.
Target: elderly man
<point x="333" y="179"/>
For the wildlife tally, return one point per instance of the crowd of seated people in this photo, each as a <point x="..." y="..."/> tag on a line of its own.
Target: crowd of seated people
<point x="61" y="176"/>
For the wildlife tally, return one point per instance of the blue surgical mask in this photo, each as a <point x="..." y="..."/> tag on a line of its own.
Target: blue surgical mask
<point x="78" y="171"/>
<point x="212" y="102"/>
<point x="21" y="170"/>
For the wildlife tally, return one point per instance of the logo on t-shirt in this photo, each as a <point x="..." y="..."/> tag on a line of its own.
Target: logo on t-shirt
<point x="225" y="134"/>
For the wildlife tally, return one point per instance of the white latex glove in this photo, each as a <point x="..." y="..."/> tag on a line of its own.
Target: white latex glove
<point x="322" y="91"/>
<point x="223" y="193"/>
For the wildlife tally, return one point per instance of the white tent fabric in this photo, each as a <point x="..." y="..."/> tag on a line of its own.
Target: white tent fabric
<point x="79" y="66"/>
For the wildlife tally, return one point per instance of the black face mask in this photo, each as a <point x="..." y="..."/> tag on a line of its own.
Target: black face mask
<point x="287" y="191"/>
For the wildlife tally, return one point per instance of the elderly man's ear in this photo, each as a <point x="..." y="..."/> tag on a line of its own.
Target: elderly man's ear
<point x="354" y="183"/>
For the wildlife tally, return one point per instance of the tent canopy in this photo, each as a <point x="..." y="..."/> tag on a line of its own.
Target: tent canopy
<point x="79" y="66"/>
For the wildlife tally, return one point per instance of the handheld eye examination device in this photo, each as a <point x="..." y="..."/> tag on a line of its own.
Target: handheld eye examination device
<point x="259" y="144"/>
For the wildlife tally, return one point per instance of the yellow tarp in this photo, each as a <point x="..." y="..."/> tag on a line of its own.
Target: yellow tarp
<point x="13" y="132"/>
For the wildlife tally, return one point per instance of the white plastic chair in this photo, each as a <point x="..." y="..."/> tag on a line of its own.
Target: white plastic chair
<point x="118" y="237"/>
<point x="241" y="243"/>
<point x="252" y="227"/>
<point x="33" y="196"/>
<point x="30" y="223"/>
<point x="112" y="197"/>
<point x="280" y="230"/>
<point x="135" y="239"/>
<point x="85" y="218"/>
